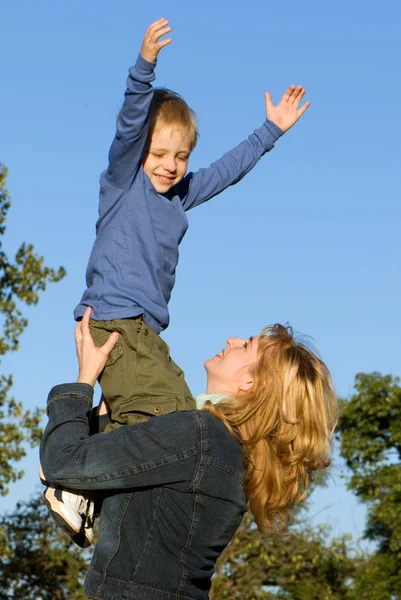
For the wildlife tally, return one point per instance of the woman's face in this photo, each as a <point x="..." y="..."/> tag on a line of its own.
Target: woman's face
<point x="228" y="371"/>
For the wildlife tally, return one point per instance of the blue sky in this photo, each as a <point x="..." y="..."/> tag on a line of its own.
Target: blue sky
<point x="311" y="236"/>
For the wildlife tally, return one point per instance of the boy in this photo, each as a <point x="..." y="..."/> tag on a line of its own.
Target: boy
<point x="144" y="195"/>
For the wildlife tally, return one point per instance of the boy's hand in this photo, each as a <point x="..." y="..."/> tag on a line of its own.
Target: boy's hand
<point x="286" y="113"/>
<point x="151" y="45"/>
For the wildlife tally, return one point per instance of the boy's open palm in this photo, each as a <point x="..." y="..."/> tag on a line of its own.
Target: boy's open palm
<point x="151" y="45"/>
<point x="287" y="111"/>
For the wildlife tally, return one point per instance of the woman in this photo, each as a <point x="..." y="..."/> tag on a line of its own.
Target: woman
<point x="178" y="485"/>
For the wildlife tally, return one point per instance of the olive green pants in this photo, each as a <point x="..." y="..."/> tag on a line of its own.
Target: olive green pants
<point x="140" y="379"/>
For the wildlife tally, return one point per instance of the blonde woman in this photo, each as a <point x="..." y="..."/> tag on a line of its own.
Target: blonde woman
<point x="176" y="486"/>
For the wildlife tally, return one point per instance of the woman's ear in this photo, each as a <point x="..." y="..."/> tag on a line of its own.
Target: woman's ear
<point x="245" y="382"/>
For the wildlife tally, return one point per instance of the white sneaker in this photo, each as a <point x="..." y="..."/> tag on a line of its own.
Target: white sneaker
<point x="73" y="513"/>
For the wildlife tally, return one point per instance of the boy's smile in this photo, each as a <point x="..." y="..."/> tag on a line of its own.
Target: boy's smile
<point x="166" y="161"/>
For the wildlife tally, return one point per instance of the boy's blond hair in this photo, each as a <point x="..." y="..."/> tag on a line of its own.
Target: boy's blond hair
<point x="169" y="109"/>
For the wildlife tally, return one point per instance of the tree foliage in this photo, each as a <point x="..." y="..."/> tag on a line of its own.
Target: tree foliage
<point x="21" y="280"/>
<point x="303" y="565"/>
<point x="38" y="562"/>
<point x="370" y="437"/>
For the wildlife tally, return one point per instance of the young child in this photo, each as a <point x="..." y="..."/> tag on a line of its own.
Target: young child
<point x="145" y="193"/>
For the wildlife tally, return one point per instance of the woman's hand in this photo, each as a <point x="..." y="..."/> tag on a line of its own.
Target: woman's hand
<point x="91" y="359"/>
<point x="151" y="45"/>
<point x="287" y="111"/>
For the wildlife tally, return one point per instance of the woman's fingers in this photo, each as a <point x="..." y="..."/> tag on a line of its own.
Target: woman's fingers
<point x="85" y="322"/>
<point x="78" y="333"/>
<point x="110" y="343"/>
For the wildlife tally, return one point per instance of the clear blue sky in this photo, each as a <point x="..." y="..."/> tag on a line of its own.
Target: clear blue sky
<point x="311" y="236"/>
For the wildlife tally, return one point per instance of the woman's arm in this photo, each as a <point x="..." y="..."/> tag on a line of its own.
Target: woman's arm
<point x="163" y="450"/>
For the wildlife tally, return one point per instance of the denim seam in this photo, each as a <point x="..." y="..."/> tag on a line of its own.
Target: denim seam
<point x="215" y="463"/>
<point x="144" y="468"/>
<point x="195" y="483"/>
<point x="114" y="552"/>
<point x="70" y="395"/>
<point x="198" y="447"/>
<point x="137" y="355"/>
<point x="147" y="541"/>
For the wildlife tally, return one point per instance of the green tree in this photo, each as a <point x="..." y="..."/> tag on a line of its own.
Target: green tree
<point x="39" y="562"/>
<point x="21" y="280"/>
<point x="303" y="565"/>
<point x="370" y="436"/>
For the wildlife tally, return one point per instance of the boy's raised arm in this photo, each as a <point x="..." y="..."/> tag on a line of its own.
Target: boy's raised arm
<point x="132" y="123"/>
<point x="201" y="186"/>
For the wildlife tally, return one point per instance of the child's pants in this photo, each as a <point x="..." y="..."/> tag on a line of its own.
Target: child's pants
<point x="140" y="379"/>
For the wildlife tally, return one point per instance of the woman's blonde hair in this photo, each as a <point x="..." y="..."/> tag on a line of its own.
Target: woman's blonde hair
<point x="285" y="422"/>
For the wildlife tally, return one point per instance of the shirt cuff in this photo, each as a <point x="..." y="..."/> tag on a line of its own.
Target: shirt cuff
<point x="274" y="129"/>
<point x="83" y="391"/>
<point x="268" y="134"/>
<point x="143" y="70"/>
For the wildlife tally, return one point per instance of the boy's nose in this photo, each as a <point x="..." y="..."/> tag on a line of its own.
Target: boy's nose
<point x="169" y="165"/>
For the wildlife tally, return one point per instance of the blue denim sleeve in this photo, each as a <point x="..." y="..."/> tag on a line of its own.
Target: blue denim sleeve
<point x="203" y="185"/>
<point x="163" y="450"/>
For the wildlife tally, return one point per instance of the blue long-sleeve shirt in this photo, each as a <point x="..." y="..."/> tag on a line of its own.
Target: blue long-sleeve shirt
<point x="131" y="269"/>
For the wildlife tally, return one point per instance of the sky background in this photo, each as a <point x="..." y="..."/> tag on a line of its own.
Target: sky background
<point x="311" y="236"/>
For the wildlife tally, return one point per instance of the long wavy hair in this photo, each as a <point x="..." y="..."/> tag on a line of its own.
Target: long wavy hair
<point x="285" y="423"/>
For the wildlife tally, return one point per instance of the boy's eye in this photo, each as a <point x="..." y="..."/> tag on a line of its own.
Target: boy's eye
<point x="157" y="154"/>
<point x="183" y="157"/>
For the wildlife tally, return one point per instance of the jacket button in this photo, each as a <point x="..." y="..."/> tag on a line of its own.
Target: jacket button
<point x="146" y="332"/>
<point x="138" y="330"/>
<point x="156" y="410"/>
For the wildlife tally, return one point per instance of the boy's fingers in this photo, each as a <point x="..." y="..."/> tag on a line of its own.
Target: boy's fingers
<point x="303" y="109"/>
<point x="156" y="24"/>
<point x="287" y="94"/>
<point x="164" y="43"/>
<point x="159" y="34"/>
<point x="268" y="101"/>
<point x="295" y="94"/>
<point x="300" y="96"/>
<point x="155" y="31"/>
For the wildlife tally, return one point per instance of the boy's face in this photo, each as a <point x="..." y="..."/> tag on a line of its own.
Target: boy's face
<point x="166" y="161"/>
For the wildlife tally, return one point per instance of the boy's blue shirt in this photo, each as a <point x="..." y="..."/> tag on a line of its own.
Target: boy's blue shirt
<point x="131" y="269"/>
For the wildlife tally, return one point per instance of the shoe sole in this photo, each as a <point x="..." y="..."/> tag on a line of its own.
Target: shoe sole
<point x="79" y="537"/>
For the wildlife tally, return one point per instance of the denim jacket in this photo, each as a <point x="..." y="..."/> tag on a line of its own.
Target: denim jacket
<point x="174" y="495"/>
